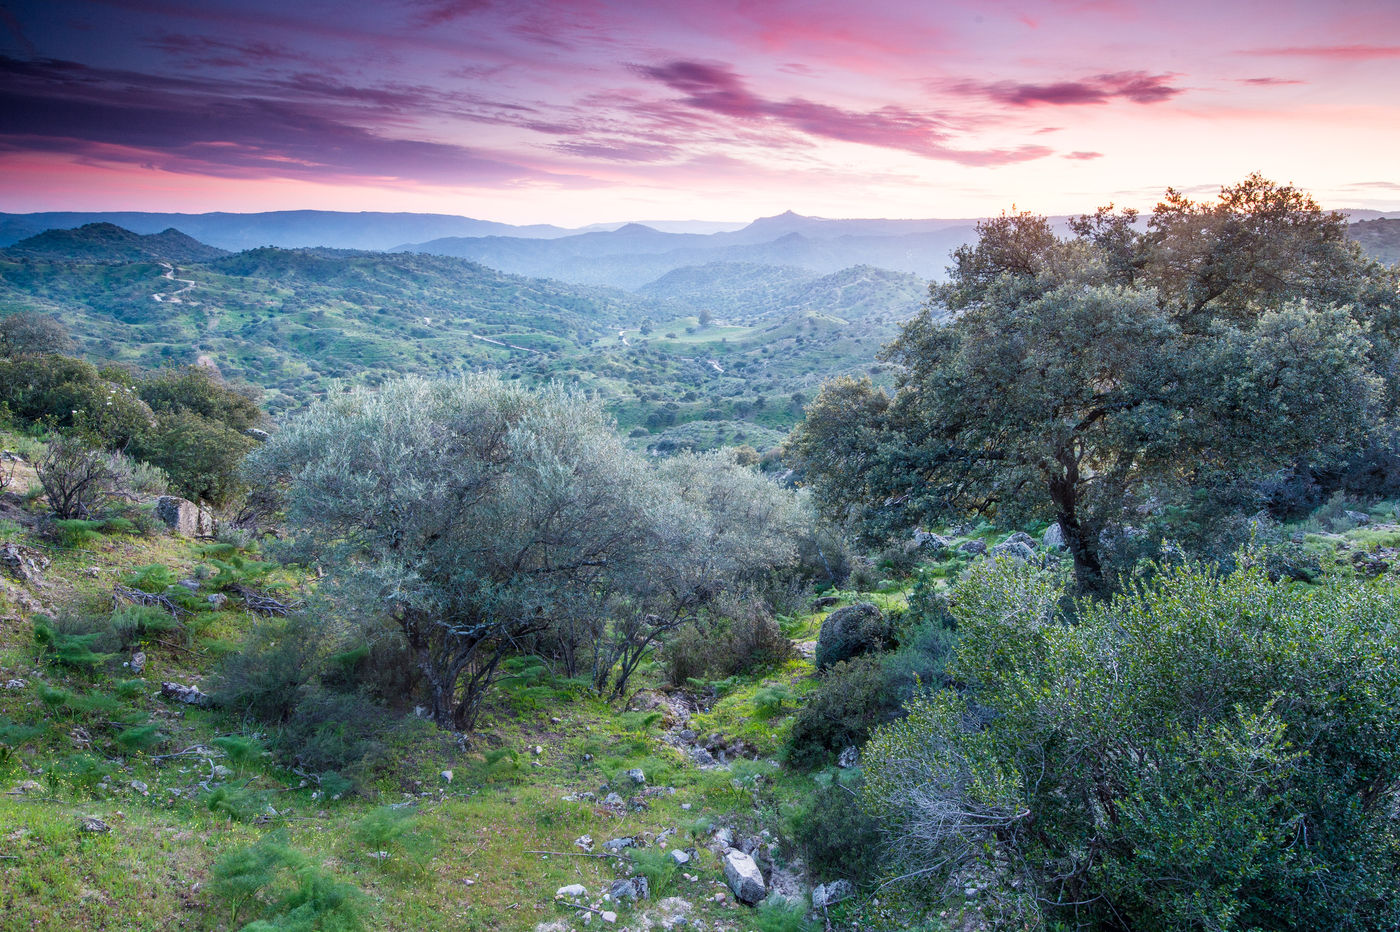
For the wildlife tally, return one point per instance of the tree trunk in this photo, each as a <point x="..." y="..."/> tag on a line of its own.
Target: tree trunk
<point x="1083" y="547"/>
<point x="1088" y="571"/>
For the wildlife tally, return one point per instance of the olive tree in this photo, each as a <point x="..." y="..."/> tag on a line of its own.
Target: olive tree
<point x="474" y="512"/>
<point x="725" y="525"/>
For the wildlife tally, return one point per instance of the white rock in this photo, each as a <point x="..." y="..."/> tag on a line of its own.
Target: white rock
<point x="446" y="776"/>
<point x="828" y="894"/>
<point x="609" y="916"/>
<point x="744" y="878"/>
<point x="637" y="776"/>
<point x="574" y="891"/>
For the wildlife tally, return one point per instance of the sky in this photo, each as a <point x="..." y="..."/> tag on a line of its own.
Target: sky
<point x="583" y="111"/>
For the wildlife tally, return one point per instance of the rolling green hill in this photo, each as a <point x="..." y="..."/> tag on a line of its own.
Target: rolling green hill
<point x="293" y="322"/>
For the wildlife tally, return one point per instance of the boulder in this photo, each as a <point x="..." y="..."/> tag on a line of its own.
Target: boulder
<point x="974" y="547"/>
<point x="189" y="695"/>
<point x="94" y="825"/>
<point x="849" y="632"/>
<point x="631" y="888"/>
<point x="744" y="878"/>
<point x="574" y="891"/>
<point x="1358" y="517"/>
<point x="823" y="602"/>
<point x="261" y="436"/>
<point x="1054" y="537"/>
<point x="680" y="857"/>
<point x="637" y="776"/>
<point x="184" y="518"/>
<point x="849" y="757"/>
<point x="1014" y="550"/>
<point x="617" y="844"/>
<point x="137" y="663"/>
<point x="1020" y="537"/>
<point x="828" y="894"/>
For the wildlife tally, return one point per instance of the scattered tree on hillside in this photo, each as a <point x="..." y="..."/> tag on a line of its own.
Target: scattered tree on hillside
<point x="29" y="334"/>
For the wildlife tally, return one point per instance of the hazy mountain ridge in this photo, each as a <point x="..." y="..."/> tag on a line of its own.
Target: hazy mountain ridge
<point x="1379" y="237"/>
<point x="748" y="291"/>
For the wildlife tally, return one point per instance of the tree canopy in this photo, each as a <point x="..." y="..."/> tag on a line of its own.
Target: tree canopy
<point x="477" y="513"/>
<point x="1095" y="380"/>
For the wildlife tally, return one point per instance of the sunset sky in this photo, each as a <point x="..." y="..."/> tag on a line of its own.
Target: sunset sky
<point x="602" y="110"/>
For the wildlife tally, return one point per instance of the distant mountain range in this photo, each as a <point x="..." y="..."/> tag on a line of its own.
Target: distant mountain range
<point x="628" y="256"/>
<point x="292" y="229"/>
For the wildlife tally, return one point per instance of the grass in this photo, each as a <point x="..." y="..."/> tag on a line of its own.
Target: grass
<point x="464" y="855"/>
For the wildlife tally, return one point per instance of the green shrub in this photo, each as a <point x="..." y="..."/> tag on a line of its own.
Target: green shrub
<point x="768" y="701"/>
<point x="13" y="737"/>
<point x="836" y="838"/>
<point x="268" y="677"/>
<point x="139" y="737"/>
<point x="281" y="888"/>
<point x="135" y="624"/>
<point x="1195" y="753"/>
<point x="854" y="697"/>
<point x="777" y="914"/>
<point x="69" y="641"/>
<point x="659" y="868"/>
<point x="741" y="636"/>
<point x="397" y="833"/>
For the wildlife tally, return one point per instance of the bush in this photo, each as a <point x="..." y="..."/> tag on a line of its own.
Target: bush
<point x="79" y="480"/>
<point x="1193" y="754"/>
<point x="854" y="697"/>
<point x="738" y="638"/>
<point x="270" y="676"/>
<point x="835" y="836"/>
<point x="283" y="889"/>
<point x="200" y="456"/>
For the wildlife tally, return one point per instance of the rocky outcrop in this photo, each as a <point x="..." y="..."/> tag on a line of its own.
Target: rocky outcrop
<point x="189" y="695"/>
<point x="1053" y="538"/>
<point x="23" y="563"/>
<point x="1014" y="550"/>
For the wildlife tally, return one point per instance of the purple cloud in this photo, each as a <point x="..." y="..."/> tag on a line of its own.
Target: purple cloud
<point x="330" y="131"/>
<point x="716" y="88"/>
<point x="1270" y="82"/>
<point x="1080" y="156"/>
<point x="1135" y="86"/>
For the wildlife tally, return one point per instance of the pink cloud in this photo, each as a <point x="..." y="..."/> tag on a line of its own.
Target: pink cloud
<point x="1083" y="156"/>
<point x="715" y="88"/>
<point x="1338" y="52"/>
